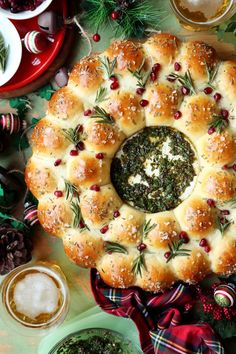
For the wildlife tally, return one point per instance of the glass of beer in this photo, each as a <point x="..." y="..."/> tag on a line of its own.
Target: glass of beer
<point x="203" y="14"/>
<point x="35" y="297"/>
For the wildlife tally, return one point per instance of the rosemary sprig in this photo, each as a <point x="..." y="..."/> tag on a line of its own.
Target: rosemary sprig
<point x="223" y="226"/>
<point x="77" y="213"/>
<point x="139" y="264"/>
<point x="219" y="123"/>
<point x="108" y="66"/>
<point x="3" y="54"/>
<point x="232" y="202"/>
<point x="115" y="248"/>
<point x="147" y="227"/>
<point x="176" y="250"/>
<point x="84" y="228"/>
<point x="70" y="190"/>
<point x="211" y="73"/>
<point x="72" y="135"/>
<point x="106" y="118"/>
<point x="140" y="76"/>
<point x="185" y="80"/>
<point x="101" y="95"/>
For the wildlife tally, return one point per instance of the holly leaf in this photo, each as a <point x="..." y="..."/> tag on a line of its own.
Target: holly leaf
<point x="1" y="191"/>
<point x="17" y="224"/>
<point x="21" y="104"/>
<point x="34" y="121"/>
<point x="46" y="92"/>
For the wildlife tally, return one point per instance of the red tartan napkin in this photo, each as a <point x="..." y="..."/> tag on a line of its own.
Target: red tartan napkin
<point x="159" y="318"/>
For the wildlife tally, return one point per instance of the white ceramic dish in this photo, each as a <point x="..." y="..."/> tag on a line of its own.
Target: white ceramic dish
<point x="13" y="41"/>
<point x="24" y="15"/>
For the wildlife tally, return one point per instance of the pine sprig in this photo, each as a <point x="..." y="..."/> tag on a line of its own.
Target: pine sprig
<point x="114" y="247"/>
<point x="75" y="208"/>
<point x="176" y="250"/>
<point x="101" y="95"/>
<point x="139" y="264"/>
<point x="108" y="66"/>
<point x="105" y="117"/>
<point x="211" y="73"/>
<point x="223" y="226"/>
<point x="147" y="227"/>
<point x="219" y="123"/>
<point x="72" y="135"/>
<point x="70" y="190"/>
<point x="141" y="76"/>
<point x="185" y="80"/>
<point x="4" y="51"/>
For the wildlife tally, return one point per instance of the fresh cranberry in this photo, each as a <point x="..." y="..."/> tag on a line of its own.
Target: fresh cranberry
<point x="96" y="37"/>
<point x="156" y="68"/>
<point x="177" y="66"/>
<point x="177" y="115"/>
<point x="80" y="146"/>
<point x="211" y="203"/>
<point x="203" y="242"/>
<point x="58" y="194"/>
<point x="113" y="78"/>
<point x="153" y="76"/>
<point x="225" y="212"/>
<point x="104" y="229"/>
<point x="140" y="91"/>
<point x="167" y="255"/>
<point x="95" y="187"/>
<point x="116" y="214"/>
<point x="99" y="156"/>
<point x="208" y="90"/>
<point x="184" y="236"/>
<point x="217" y="96"/>
<point x="207" y="249"/>
<point x="185" y="90"/>
<point x="225" y="113"/>
<point x="115" y="15"/>
<point x="144" y="103"/>
<point x="73" y="153"/>
<point x="141" y="247"/>
<point x="115" y="85"/>
<point x="234" y="166"/>
<point x="211" y="130"/>
<point x="57" y="162"/>
<point x="87" y="112"/>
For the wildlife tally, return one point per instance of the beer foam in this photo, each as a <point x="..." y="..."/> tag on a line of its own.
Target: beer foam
<point x="36" y="294"/>
<point x="208" y="8"/>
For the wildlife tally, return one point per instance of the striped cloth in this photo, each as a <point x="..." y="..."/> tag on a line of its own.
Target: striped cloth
<point x="159" y="318"/>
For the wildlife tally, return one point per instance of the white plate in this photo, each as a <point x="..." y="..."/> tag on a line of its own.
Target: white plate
<point x="24" y="15"/>
<point x="12" y="39"/>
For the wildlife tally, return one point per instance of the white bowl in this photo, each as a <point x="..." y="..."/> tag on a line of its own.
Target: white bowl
<point x="13" y="41"/>
<point x="24" y="15"/>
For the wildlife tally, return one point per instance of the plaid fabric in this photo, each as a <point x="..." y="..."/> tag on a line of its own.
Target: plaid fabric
<point x="158" y="318"/>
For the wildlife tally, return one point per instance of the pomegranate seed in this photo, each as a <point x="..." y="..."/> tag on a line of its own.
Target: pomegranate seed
<point x="167" y="255"/>
<point x="96" y="37"/>
<point x="184" y="236"/>
<point x="113" y="78"/>
<point x="225" y="113"/>
<point x="99" y="156"/>
<point x="82" y="225"/>
<point x="225" y="167"/>
<point x="171" y="79"/>
<point x="225" y="212"/>
<point x="87" y="112"/>
<point x="203" y="242"/>
<point x="156" y="67"/>
<point x="140" y="91"/>
<point x="73" y="153"/>
<point x="223" y="220"/>
<point x="177" y="66"/>
<point x="58" y="194"/>
<point x="95" y="187"/>
<point x="211" y="203"/>
<point x="115" y="85"/>
<point x="80" y="146"/>
<point x="207" y="249"/>
<point x="185" y="90"/>
<point x="177" y="115"/>
<point x="104" y="229"/>
<point x="141" y="247"/>
<point x="208" y="90"/>
<point x="234" y="166"/>
<point x="211" y="130"/>
<point x="57" y="162"/>
<point x="79" y="128"/>
<point x="217" y="96"/>
<point x="116" y="214"/>
<point x="144" y="103"/>
<point x="115" y="15"/>
<point x="153" y="76"/>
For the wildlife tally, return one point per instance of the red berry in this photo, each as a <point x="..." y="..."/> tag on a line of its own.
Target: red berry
<point x="222" y="220"/>
<point x="211" y="130"/>
<point x="95" y="187"/>
<point x="144" y="103"/>
<point x="82" y="225"/>
<point x="79" y="128"/>
<point x="87" y="112"/>
<point x="225" y="113"/>
<point x="207" y="249"/>
<point x="58" y="194"/>
<point x="185" y="90"/>
<point x="177" y="115"/>
<point x="225" y="167"/>
<point x="177" y="66"/>
<point x="99" y="156"/>
<point x="184" y="236"/>
<point x="57" y="162"/>
<point x="203" y="242"/>
<point x="116" y="214"/>
<point x="104" y="229"/>
<point x="73" y="153"/>
<point x="208" y="90"/>
<point x="167" y="255"/>
<point x="115" y="85"/>
<point x="113" y="78"/>
<point x="225" y="212"/>
<point x="153" y="76"/>
<point x="96" y="37"/>
<point x="115" y="15"/>
<point x="141" y="247"/>
<point x="80" y="146"/>
<point x="217" y="96"/>
<point x="211" y="203"/>
<point x="234" y="166"/>
<point x="156" y="67"/>
<point x="140" y="91"/>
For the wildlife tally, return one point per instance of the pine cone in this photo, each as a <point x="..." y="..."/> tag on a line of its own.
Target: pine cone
<point x="15" y="248"/>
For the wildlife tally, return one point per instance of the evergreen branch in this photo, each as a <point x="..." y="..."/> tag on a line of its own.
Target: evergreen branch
<point x="106" y="118"/>
<point x="223" y="225"/>
<point x="101" y="95"/>
<point x="140" y="76"/>
<point x="70" y="190"/>
<point x="108" y="66"/>
<point x="4" y="51"/>
<point x="114" y="247"/>
<point x="185" y="80"/>
<point x="219" y="123"/>
<point x="211" y="73"/>
<point x="72" y="135"/>
<point x="147" y="227"/>
<point x="75" y="208"/>
<point x="176" y="250"/>
<point x="139" y="264"/>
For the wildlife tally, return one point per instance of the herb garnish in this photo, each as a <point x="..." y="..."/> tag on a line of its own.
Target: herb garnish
<point x="3" y="54"/>
<point x="147" y="227"/>
<point x="108" y="66"/>
<point x="223" y="224"/>
<point x="185" y="80"/>
<point x="176" y="250"/>
<point x="72" y="135"/>
<point x="232" y="202"/>
<point x="77" y="213"/>
<point x="140" y="76"/>
<point x="101" y="95"/>
<point x="71" y="190"/>
<point x="139" y="264"/>
<point x="115" y="248"/>
<point x="219" y="123"/>
<point x="106" y="118"/>
<point x="211" y="73"/>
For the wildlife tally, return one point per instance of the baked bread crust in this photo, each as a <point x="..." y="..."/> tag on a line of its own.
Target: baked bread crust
<point x="104" y="219"/>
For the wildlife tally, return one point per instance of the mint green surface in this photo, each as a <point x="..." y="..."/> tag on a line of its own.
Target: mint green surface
<point x="50" y="248"/>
